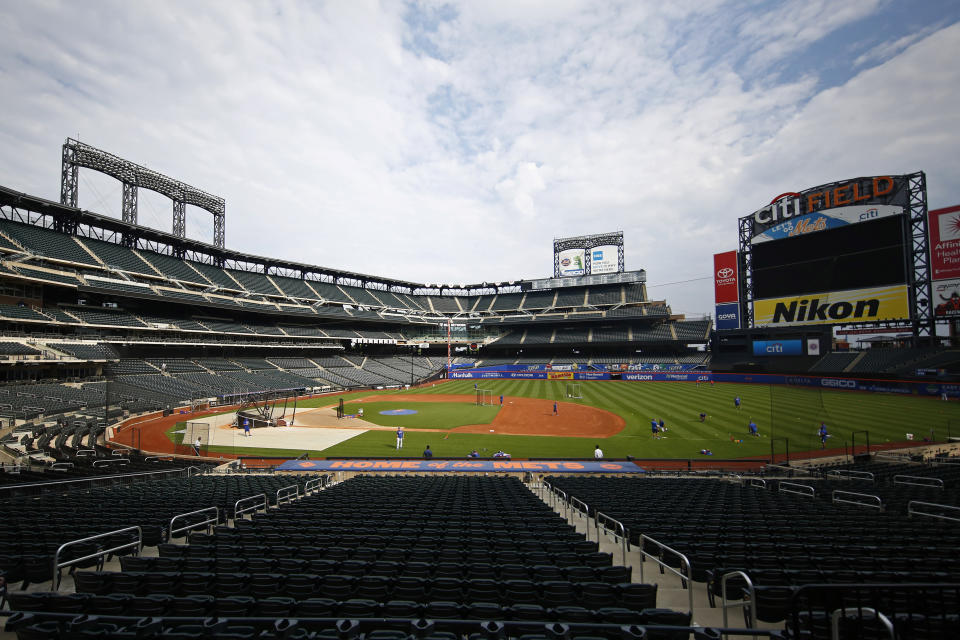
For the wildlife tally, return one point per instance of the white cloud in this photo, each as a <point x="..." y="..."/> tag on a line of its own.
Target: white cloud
<point x="454" y="145"/>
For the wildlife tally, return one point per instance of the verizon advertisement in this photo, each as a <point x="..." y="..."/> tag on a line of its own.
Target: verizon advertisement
<point x="725" y="277"/>
<point x="944" y="229"/>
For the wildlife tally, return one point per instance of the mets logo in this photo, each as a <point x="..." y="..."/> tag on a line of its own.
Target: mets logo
<point x="725" y="273"/>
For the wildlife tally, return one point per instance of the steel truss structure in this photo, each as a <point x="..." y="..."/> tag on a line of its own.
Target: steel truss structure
<point x="588" y="242"/>
<point x="76" y="154"/>
<point x="922" y="318"/>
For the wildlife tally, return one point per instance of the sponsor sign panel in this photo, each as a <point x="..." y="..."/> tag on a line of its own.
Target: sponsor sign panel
<point x="813" y="346"/>
<point x="728" y="316"/>
<point x="560" y="376"/>
<point x="857" y="193"/>
<point x="944" y="230"/>
<point x="946" y="298"/>
<point x="725" y="277"/>
<point x="604" y="259"/>
<point x="468" y="466"/>
<point x="777" y="348"/>
<point x="834" y="307"/>
<point x="572" y="262"/>
<point x="826" y="219"/>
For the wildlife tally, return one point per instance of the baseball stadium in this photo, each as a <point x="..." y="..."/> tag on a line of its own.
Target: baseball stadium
<point x="199" y="442"/>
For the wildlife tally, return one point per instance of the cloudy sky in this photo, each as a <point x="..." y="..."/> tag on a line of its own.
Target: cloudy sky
<point x="451" y="142"/>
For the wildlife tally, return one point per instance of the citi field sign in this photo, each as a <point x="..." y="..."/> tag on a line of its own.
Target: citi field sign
<point x="850" y="197"/>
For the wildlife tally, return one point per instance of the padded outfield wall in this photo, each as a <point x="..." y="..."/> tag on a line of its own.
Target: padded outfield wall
<point x="905" y="387"/>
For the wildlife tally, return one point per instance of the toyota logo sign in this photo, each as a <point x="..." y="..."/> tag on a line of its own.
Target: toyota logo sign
<point x="724" y="273"/>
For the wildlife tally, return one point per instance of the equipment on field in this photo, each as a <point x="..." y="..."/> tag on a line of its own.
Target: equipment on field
<point x="484" y="397"/>
<point x="573" y="391"/>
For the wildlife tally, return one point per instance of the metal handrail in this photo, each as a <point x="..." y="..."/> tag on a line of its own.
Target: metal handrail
<point x="320" y="483"/>
<point x="545" y="486"/>
<point x="800" y="490"/>
<point x="838" y="613"/>
<point x="57" y="466"/>
<point x="556" y="496"/>
<point x="683" y="559"/>
<point x="256" y="502"/>
<point x="783" y="466"/>
<point x="624" y="538"/>
<point x="838" y="499"/>
<point x="911" y="511"/>
<point x="108" y="461"/>
<point x="728" y="605"/>
<point x="208" y="522"/>
<point x="936" y="483"/>
<point x="585" y="512"/>
<point x="192" y="470"/>
<point x="288" y="494"/>
<point x="756" y="482"/>
<point x="852" y="474"/>
<point x="58" y="566"/>
<point x="86" y="453"/>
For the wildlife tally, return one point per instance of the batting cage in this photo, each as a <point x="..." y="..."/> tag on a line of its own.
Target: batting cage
<point x="195" y="439"/>
<point x="484" y="397"/>
<point x="573" y="391"/>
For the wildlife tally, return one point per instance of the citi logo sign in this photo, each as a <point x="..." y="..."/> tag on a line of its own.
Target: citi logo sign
<point x="774" y="347"/>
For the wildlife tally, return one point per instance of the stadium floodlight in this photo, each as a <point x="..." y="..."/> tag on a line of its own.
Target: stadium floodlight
<point x="76" y="154"/>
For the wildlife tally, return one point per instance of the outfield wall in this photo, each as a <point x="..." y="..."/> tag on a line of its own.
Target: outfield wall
<point x="817" y="382"/>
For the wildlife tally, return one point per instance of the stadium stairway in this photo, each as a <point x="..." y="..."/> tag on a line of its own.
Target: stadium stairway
<point x="671" y="591"/>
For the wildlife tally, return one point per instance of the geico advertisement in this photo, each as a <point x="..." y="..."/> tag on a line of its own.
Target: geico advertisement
<point x="858" y="305"/>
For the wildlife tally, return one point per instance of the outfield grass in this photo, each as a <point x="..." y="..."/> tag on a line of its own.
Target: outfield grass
<point x="780" y="412"/>
<point x="793" y="413"/>
<point x="439" y="415"/>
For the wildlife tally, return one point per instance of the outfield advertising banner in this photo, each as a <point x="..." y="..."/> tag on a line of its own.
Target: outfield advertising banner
<point x="826" y="219"/>
<point x="466" y="466"/>
<point x="604" y="259"/>
<point x="725" y="287"/>
<point x="777" y="348"/>
<point x="843" y="384"/>
<point x="572" y="262"/>
<point x="835" y="307"/>
<point x="728" y="316"/>
<point x="944" y="230"/>
<point x="946" y="298"/>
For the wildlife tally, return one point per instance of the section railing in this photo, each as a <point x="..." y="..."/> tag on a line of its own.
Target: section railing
<point x="58" y="566"/>
<point x="575" y="503"/>
<point x="850" y="497"/>
<point x="797" y="489"/>
<point x="858" y="611"/>
<point x="919" y="481"/>
<point x="918" y="507"/>
<point x="287" y="494"/>
<point x="619" y="532"/>
<point x="850" y="474"/>
<point x="38" y="488"/>
<point x="252" y="504"/>
<point x="315" y="485"/>
<point x="756" y="482"/>
<point x="684" y="563"/>
<point x="750" y="600"/>
<point x="207" y="522"/>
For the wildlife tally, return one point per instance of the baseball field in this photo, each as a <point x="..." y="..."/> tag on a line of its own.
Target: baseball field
<point x="613" y="414"/>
